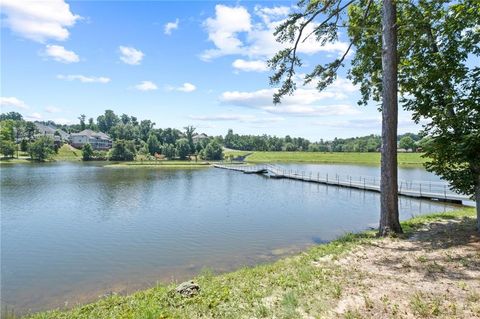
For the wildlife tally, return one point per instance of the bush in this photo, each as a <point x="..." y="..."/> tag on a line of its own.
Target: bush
<point x="87" y="152"/>
<point x="100" y="155"/>
<point x="42" y="148"/>
<point x="213" y="151"/>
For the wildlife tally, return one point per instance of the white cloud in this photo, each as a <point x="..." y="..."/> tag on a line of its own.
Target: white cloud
<point x="53" y="109"/>
<point x="250" y="66"/>
<point x="224" y="28"/>
<point x="237" y="118"/>
<point x="13" y="101"/>
<point x="170" y="26"/>
<point x="130" y="55"/>
<point x="83" y="79"/>
<point x="185" y="87"/>
<point x="62" y="121"/>
<point x="146" y="86"/>
<point x="39" y="20"/>
<point x="317" y="110"/>
<point x="233" y="32"/>
<point x="34" y="117"/>
<point x="305" y="101"/>
<point x="60" y="54"/>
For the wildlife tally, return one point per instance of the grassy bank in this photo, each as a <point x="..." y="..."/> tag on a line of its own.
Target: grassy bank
<point x="65" y="153"/>
<point x="404" y="159"/>
<point x="342" y="279"/>
<point x="68" y="153"/>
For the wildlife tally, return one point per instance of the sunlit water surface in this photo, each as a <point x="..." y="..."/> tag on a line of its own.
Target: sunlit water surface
<point x="71" y="232"/>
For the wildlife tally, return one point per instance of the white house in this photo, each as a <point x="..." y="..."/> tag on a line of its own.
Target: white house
<point x="98" y="140"/>
<point x="199" y="137"/>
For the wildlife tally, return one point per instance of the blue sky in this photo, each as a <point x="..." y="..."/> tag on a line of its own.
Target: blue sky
<point x="179" y="63"/>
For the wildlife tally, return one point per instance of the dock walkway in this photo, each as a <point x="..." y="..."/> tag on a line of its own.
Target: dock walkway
<point x="419" y="189"/>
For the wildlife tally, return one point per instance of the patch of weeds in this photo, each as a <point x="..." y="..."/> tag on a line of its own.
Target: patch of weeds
<point x="425" y="308"/>
<point x="422" y="259"/>
<point x="290" y="300"/>
<point x="336" y="291"/>
<point x="368" y="302"/>
<point x="352" y="314"/>
<point x="462" y="285"/>
<point x="473" y="297"/>
<point x="434" y="267"/>
<point x="262" y="311"/>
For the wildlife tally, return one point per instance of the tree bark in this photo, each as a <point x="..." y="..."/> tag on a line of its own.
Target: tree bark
<point x="389" y="221"/>
<point x="477" y="200"/>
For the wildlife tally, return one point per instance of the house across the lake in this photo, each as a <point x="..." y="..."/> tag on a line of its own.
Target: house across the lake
<point x="199" y="137"/>
<point x="98" y="140"/>
<point x="59" y="136"/>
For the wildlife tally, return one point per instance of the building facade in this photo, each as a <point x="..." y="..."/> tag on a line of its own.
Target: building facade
<point x="98" y="140"/>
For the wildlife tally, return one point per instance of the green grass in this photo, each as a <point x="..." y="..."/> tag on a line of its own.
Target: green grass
<point x="67" y="153"/>
<point x="404" y="159"/>
<point x="276" y="289"/>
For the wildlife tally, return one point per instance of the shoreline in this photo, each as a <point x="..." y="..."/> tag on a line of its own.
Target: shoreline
<point x="367" y="159"/>
<point x="248" y="290"/>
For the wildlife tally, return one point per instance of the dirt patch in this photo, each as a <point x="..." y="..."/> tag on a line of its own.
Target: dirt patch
<point x="434" y="273"/>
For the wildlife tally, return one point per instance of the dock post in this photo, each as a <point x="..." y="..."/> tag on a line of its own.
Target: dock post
<point x="327" y="178"/>
<point x="420" y="189"/>
<point x="350" y="181"/>
<point x="445" y="191"/>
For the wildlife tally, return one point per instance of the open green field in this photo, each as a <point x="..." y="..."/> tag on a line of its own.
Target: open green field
<point x="414" y="159"/>
<point x="316" y="282"/>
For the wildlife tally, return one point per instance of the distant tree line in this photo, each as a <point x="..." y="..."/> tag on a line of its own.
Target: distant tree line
<point x="370" y="143"/>
<point x="142" y="140"/>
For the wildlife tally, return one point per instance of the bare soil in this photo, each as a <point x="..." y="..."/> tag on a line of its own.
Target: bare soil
<point x="434" y="273"/>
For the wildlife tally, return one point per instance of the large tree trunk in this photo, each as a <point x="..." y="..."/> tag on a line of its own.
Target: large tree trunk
<point x="477" y="200"/>
<point x="389" y="221"/>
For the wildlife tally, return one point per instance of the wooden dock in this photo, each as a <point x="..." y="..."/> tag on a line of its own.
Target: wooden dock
<point x="439" y="191"/>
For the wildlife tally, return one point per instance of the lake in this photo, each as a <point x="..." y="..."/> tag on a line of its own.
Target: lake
<point x="71" y="232"/>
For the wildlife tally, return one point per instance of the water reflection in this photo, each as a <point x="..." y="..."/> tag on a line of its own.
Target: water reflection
<point x="72" y="232"/>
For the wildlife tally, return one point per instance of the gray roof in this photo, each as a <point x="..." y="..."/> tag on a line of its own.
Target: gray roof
<point x="48" y="129"/>
<point x="92" y="134"/>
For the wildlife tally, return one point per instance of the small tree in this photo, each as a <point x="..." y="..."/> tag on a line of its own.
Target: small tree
<point x="407" y="143"/>
<point x="42" y="148"/>
<point x="153" y="144"/>
<point x="168" y="150"/>
<point x="7" y="148"/>
<point x="122" y="151"/>
<point x="289" y="147"/>
<point x="24" y="145"/>
<point x="213" y="151"/>
<point x="189" y="131"/>
<point x="87" y="152"/>
<point x="183" y="148"/>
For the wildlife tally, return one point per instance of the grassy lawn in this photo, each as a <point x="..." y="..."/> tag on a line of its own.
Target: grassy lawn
<point x="356" y="276"/>
<point x="68" y="153"/>
<point x="414" y="159"/>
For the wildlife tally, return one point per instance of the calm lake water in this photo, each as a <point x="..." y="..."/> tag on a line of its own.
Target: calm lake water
<point x="71" y="232"/>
